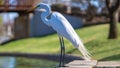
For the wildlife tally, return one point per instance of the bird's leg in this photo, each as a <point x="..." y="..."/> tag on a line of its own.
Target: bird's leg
<point x="62" y="51"/>
<point x="60" y="64"/>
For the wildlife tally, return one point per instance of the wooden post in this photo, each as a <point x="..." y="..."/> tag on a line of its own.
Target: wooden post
<point x="21" y="26"/>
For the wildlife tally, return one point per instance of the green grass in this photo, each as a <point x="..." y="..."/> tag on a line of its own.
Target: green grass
<point x="93" y="37"/>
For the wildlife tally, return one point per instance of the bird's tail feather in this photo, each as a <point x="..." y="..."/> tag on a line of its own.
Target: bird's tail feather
<point x="84" y="51"/>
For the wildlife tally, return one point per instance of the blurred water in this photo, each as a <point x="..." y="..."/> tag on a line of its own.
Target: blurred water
<point x="20" y="62"/>
<point x="7" y="62"/>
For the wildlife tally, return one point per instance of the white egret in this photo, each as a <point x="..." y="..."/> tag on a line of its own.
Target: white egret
<point x="64" y="29"/>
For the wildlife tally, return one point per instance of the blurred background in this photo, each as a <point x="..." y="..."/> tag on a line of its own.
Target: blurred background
<point x="97" y="22"/>
<point x="13" y="15"/>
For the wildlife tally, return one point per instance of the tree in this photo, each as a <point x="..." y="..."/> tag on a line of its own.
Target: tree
<point x="91" y="11"/>
<point x="88" y="7"/>
<point x="113" y="7"/>
<point x="59" y="7"/>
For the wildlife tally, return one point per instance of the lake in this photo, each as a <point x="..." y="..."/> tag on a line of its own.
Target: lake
<point x="20" y="62"/>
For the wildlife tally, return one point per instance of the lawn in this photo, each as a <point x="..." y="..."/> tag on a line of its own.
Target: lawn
<point x="93" y="37"/>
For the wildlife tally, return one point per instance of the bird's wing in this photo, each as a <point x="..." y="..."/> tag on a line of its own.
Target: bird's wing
<point x="61" y="25"/>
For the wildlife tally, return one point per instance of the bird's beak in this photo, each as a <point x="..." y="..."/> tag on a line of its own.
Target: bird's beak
<point x="32" y="9"/>
<point x="41" y="10"/>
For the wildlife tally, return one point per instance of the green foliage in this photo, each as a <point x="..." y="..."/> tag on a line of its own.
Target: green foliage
<point x="93" y="37"/>
<point x="59" y="8"/>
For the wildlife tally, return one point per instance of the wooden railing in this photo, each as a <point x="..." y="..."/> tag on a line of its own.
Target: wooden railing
<point x="15" y="5"/>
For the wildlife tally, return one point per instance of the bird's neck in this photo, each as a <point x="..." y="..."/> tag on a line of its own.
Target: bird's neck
<point x="44" y="15"/>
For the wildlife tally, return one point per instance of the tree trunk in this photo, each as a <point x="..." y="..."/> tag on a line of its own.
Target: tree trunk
<point x="113" y="9"/>
<point x="113" y="31"/>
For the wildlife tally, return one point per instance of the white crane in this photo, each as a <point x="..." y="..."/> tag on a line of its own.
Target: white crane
<point x="64" y="29"/>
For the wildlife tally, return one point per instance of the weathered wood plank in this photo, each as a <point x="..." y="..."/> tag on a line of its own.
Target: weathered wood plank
<point x="93" y="63"/>
<point x="81" y="64"/>
<point x="76" y="67"/>
<point x="87" y="63"/>
<point x="108" y="64"/>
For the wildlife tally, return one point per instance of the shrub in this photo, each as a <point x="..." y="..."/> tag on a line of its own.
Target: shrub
<point x="59" y="7"/>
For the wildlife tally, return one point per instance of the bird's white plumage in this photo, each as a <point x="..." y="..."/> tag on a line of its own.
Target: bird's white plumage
<point x="61" y="25"/>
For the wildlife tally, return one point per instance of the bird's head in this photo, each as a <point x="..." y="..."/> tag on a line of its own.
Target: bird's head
<point x="40" y="7"/>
